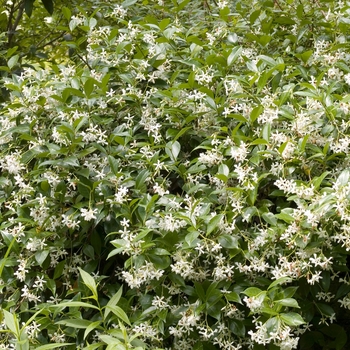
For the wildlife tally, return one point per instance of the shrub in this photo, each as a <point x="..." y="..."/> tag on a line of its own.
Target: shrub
<point x="181" y="181"/>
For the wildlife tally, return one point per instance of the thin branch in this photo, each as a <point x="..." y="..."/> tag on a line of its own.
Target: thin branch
<point x="14" y="27"/>
<point x="11" y="14"/>
<point x="84" y="60"/>
<point x="49" y="42"/>
<point x="278" y="5"/>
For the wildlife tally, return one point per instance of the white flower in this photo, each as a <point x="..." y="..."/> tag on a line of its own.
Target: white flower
<point x="88" y="214"/>
<point x="254" y="303"/>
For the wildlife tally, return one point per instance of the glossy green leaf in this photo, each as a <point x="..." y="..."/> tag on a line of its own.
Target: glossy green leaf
<point x="113" y="301"/>
<point x="214" y="223"/>
<point x="281" y="280"/>
<point x="292" y="319"/>
<point x="288" y="302"/>
<point x="89" y="282"/>
<point x="119" y="312"/>
<point x="228" y="241"/>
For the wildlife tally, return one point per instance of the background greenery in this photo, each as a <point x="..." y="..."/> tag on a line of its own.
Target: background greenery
<point x="174" y="175"/>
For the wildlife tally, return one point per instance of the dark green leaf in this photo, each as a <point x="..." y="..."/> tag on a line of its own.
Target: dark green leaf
<point x="48" y="4"/>
<point x="214" y="223"/>
<point x="28" y="7"/>
<point x="228" y="241"/>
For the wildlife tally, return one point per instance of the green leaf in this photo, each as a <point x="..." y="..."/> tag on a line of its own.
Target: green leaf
<point x="89" y="282"/>
<point x="113" y="301"/>
<point x="325" y="309"/>
<point x="75" y="304"/>
<point x="11" y="322"/>
<point x="141" y="179"/>
<point x="252" y="291"/>
<point x="59" y="269"/>
<point x="224" y="169"/>
<point x="281" y="280"/>
<point x="159" y="251"/>
<point x="343" y="178"/>
<point x="66" y="13"/>
<point x="89" y="86"/>
<point x="172" y="149"/>
<point x="235" y="53"/>
<point x="32" y="153"/>
<point x="259" y="142"/>
<point x="119" y="312"/>
<point x="41" y="255"/>
<point x="272" y="325"/>
<point x="68" y="162"/>
<point x="75" y="323"/>
<point x="85" y="187"/>
<point x="256" y="112"/>
<point x="303" y="143"/>
<point x="337" y="333"/>
<point x="182" y="5"/>
<point x="228" y="241"/>
<point x="191" y="236"/>
<point x="200" y="291"/>
<point x="288" y="302"/>
<point x="28" y="7"/>
<point x="238" y="328"/>
<point x="52" y="346"/>
<point x="12" y="61"/>
<point x="160" y="261"/>
<point x="48" y="4"/>
<point x="269" y="311"/>
<point x="91" y="327"/>
<point x="114" y="164"/>
<point x="262" y="81"/>
<point x="317" y="181"/>
<point x="269" y="218"/>
<point x="211" y="102"/>
<point x="233" y="296"/>
<point x="292" y="319"/>
<point x="214" y="223"/>
<point x="285" y="217"/>
<point x="128" y="3"/>
<point x="266" y="132"/>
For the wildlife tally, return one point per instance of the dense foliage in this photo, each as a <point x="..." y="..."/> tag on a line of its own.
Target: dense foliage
<point x="175" y="175"/>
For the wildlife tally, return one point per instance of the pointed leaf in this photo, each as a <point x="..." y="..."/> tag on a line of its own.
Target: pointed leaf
<point x="228" y="241"/>
<point x="113" y="301"/>
<point x="91" y="327"/>
<point x="28" y="7"/>
<point x="280" y="281"/>
<point x="74" y="304"/>
<point x="119" y="312"/>
<point x="288" y="302"/>
<point x="75" y="323"/>
<point x="214" y="223"/>
<point x="89" y="282"/>
<point x="11" y="322"/>
<point x="235" y="53"/>
<point x="292" y="319"/>
<point x="172" y="149"/>
<point x="12" y="61"/>
<point x="252" y="291"/>
<point x="48" y="4"/>
<point x="53" y="346"/>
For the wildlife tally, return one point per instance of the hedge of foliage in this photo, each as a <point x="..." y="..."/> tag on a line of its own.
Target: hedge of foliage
<point x="181" y="181"/>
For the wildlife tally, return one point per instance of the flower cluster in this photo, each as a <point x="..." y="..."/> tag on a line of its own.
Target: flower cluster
<point x="179" y="181"/>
